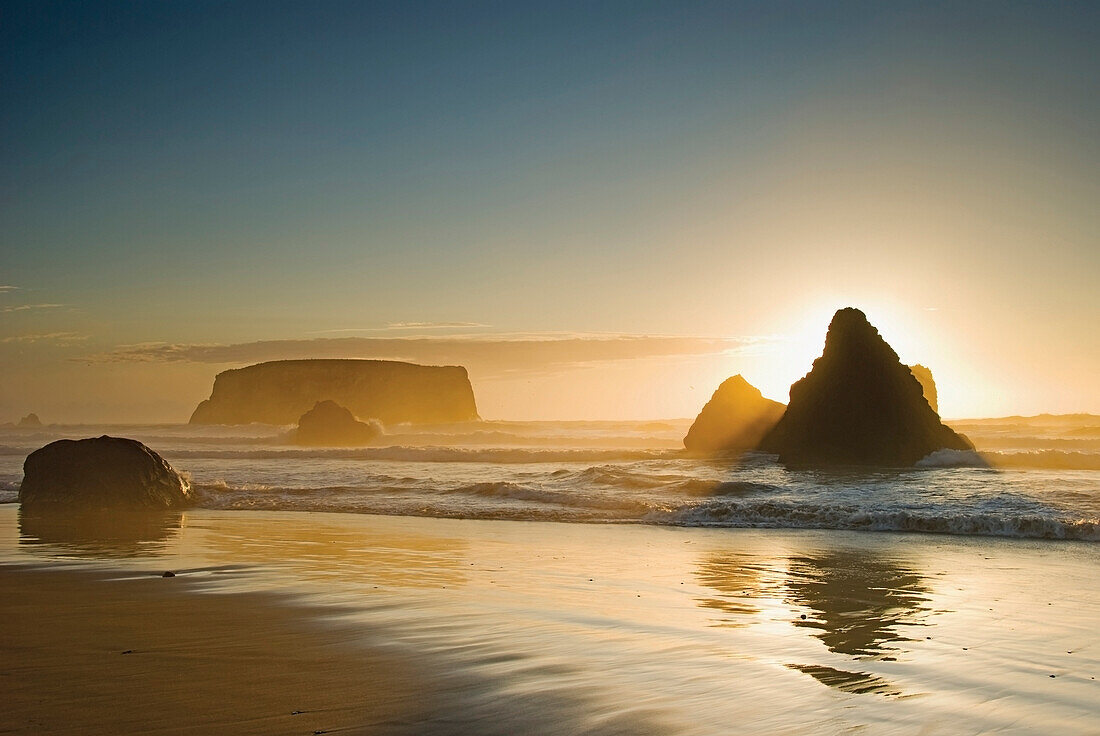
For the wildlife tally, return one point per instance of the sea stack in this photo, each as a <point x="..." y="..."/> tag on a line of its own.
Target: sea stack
<point x="734" y="420"/>
<point x="31" y="420"/>
<point x="859" y="405"/>
<point x="328" y="424"/>
<point x="924" y="376"/>
<point x="100" y="473"/>
<point x="281" y="391"/>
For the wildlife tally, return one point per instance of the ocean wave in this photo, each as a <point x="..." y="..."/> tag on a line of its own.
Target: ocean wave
<point x="770" y="514"/>
<point x="953" y="459"/>
<point x="509" y="456"/>
<point x="730" y="505"/>
<point x="1044" y="459"/>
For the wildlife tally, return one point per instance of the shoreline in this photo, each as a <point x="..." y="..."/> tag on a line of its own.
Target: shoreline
<point x="410" y="625"/>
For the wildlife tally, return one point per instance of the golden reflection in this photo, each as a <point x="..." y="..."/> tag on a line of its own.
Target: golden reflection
<point x="859" y="602"/>
<point x="321" y="551"/>
<point x="110" y="534"/>
<point x="739" y="580"/>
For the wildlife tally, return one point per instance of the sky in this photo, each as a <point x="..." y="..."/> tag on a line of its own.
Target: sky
<point x="603" y="209"/>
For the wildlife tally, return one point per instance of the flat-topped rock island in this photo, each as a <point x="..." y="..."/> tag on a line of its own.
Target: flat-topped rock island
<point x="279" y="392"/>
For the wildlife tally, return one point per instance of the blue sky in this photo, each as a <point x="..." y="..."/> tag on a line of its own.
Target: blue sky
<point x="201" y="172"/>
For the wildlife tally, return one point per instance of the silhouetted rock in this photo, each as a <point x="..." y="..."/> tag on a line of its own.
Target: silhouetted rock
<point x="858" y="406"/>
<point x="736" y="418"/>
<point x="924" y="377"/>
<point x="280" y="391"/>
<point x="100" y="472"/>
<point x="31" y="420"/>
<point x="329" y="424"/>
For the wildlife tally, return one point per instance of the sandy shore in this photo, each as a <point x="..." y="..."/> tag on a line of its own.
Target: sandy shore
<point x="85" y="654"/>
<point x="397" y="625"/>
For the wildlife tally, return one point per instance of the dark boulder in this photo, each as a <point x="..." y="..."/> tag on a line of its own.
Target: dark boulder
<point x="859" y="405"/>
<point x="331" y="425"/>
<point x="100" y="472"/>
<point x="31" y="420"/>
<point x="928" y="384"/>
<point x="735" y="419"/>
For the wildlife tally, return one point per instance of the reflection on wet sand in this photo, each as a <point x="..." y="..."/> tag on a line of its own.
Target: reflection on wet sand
<point x="111" y="534"/>
<point x="318" y="550"/>
<point x="739" y="580"/>
<point x="860" y="601"/>
<point x="860" y="683"/>
<point x="858" y="605"/>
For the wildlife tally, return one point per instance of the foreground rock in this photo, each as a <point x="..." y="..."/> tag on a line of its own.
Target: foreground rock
<point x="927" y="384"/>
<point x="735" y="419"/>
<point x="858" y="406"/>
<point x="393" y="392"/>
<point x="329" y="424"/>
<point x="101" y="472"/>
<point x="31" y="420"/>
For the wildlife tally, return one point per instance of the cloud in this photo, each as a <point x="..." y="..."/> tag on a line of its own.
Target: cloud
<point x="486" y="357"/>
<point x="397" y="326"/>
<point x="27" y="307"/>
<point x="61" y="338"/>
<point x="4" y="289"/>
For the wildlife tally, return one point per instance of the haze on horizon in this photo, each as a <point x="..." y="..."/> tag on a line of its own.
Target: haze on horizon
<point x="602" y="209"/>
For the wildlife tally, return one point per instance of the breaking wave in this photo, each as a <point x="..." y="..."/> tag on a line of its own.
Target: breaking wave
<point x="726" y="505"/>
<point x="510" y="456"/>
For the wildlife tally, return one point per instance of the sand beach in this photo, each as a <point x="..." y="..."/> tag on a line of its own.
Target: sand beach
<point x="280" y="622"/>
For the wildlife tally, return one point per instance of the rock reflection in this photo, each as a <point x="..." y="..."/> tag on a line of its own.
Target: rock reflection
<point x="860" y="683"/>
<point x="739" y="580"/>
<point x="860" y="601"/>
<point x="107" y="534"/>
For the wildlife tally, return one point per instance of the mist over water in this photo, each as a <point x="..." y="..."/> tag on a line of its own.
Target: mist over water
<point x="1033" y="478"/>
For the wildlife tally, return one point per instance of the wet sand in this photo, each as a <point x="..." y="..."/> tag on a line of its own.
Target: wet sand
<point x="85" y="654"/>
<point x="401" y="625"/>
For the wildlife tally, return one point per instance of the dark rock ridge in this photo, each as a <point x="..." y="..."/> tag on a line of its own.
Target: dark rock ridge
<point x="736" y="418"/>
<point x="281" y="391"/>
<point x="31" y="420"/>
<point x="100" y="472"/>
<point x="928" y="384"/>
<point x="859" y="405"/>
<point x="328" y="424"/>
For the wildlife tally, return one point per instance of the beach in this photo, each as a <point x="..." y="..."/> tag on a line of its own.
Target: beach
<point x="386" y="624"/>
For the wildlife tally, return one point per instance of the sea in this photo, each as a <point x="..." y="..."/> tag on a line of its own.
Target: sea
<point x="1032" y="477"/>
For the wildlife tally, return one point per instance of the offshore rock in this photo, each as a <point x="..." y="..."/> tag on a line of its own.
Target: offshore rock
<point x="928" y="384"/>
<point x="100" y="472"/>
<point x="279" y="392"/>
<point x="328" y="424"/>
<point x="735" y="419"/>
<point x="31" y="420"/>
<point x="859" y="405"/>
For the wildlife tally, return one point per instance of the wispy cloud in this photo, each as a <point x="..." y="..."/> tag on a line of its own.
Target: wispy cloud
<point x="29" y="307"/>
<point x="495" y="356"/>
<point x="6" y="288"/>
<point x="399" y="326"/>
<point x="61" y="338"/>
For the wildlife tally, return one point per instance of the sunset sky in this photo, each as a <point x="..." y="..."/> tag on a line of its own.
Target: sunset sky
<point x="602" y="209"/>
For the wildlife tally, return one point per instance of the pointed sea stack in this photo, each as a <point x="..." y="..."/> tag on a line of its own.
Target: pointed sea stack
<point x="859" y="405"/>
<point x="928" y="384"/>
<point x="735" y="419"/>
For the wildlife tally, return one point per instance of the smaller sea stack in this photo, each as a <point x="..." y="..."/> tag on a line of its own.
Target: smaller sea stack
<point x="328" y="424"/>
<point x="859" y="405"/>
<point x="734" y="420"/>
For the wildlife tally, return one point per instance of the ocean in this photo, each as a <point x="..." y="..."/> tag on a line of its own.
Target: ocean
<point x="1036" y="477"/>
<point x="567" y="578"/>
